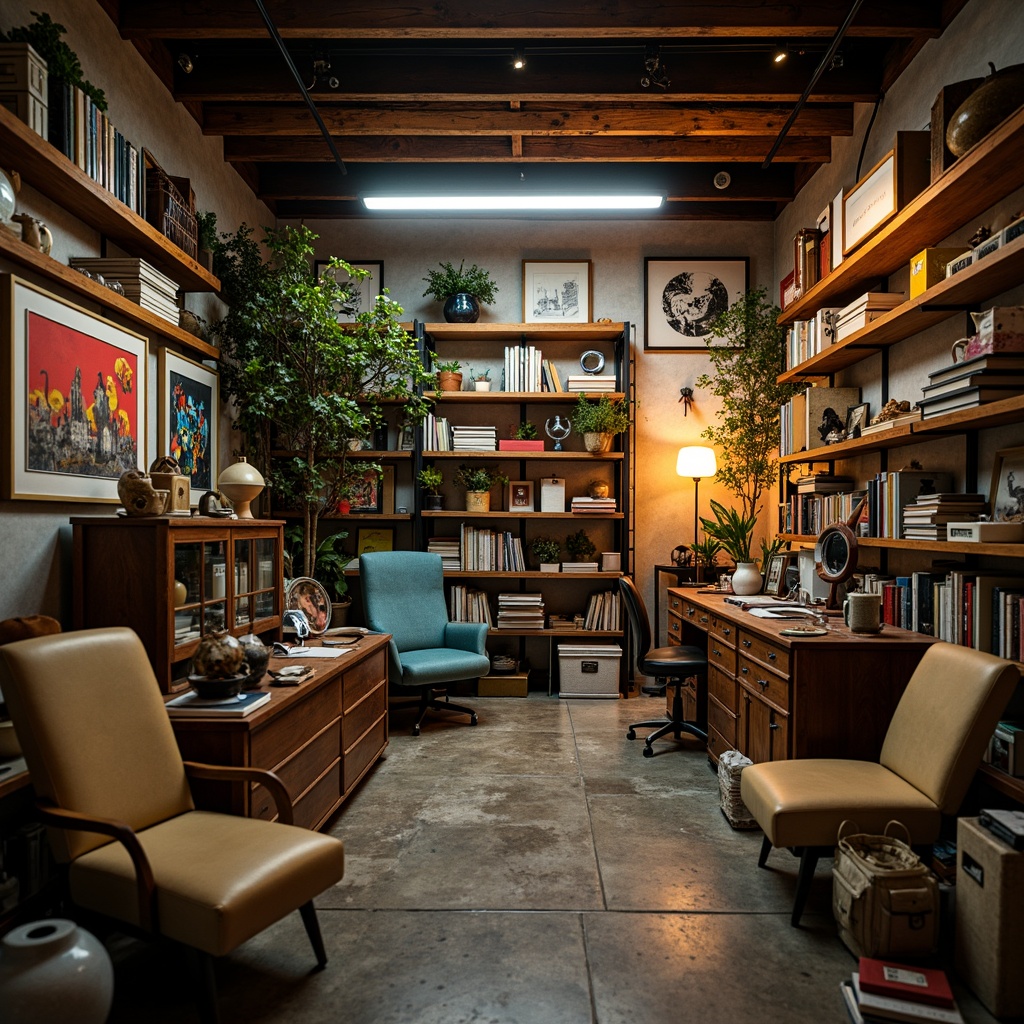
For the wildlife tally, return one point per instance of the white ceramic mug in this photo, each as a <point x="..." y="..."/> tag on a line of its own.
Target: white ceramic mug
<point x="862" y="613"/>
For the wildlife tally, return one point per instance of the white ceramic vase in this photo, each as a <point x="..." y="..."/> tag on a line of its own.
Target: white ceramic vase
<point x="240" y="483"/>
<point x="53" y="971"/>
<point x="746" y="579"/>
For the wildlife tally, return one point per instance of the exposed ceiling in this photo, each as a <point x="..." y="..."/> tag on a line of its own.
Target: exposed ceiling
<point x="425" y="95"/>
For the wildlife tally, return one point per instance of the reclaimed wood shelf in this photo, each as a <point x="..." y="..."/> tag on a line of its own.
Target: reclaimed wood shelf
<point x="575" y="333"/>
<point x="546" y="456"/>
<point x="510" y="397"/>
<point x="520" y="515"/>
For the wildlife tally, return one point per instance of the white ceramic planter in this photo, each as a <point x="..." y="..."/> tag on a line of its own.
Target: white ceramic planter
<point x="550" y="566"/>
<point x="481" y="385"/>
<point x="746" y="579"/>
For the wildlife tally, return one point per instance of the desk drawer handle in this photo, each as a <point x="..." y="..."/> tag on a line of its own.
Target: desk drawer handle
<point x="744" y="670"/>
<point x="763" y="683"/>
<point x="726" y="631"/>
<point x="675" y="604"/>
<point x="691" y="612"/>
<point x="774" y="725"/>
<point x="746" y="643"/>
<point x="703" y="618"/>
<point x="772" y="655"/>
<point x="716" y="652"/>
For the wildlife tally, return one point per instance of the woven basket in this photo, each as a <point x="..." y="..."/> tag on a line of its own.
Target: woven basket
<point x="170" y="208"/>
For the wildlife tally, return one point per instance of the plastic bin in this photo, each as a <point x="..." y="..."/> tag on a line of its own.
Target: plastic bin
<point x="588" y="670"/>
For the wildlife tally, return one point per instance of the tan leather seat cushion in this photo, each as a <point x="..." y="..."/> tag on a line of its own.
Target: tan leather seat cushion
<point x="220" y="879"/>
<point x="803" y="802"/>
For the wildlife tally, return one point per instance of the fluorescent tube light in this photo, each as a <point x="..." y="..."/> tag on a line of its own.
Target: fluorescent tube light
<point x="513" y="202"/>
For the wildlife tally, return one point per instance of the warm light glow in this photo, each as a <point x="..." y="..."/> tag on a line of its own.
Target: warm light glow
<point x="466" y="203"/>
<point x="780" y="55"/>
<point x="696" y="461"/>
<point x="519" y="60"/>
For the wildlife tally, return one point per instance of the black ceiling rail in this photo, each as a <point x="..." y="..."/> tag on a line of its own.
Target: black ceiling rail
<point x="276" y="36"/>
<point x="818" y="72"/>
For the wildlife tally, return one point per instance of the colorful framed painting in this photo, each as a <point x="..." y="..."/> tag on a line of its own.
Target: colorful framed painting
<point x="365" y="493"/>
<point x="557" y="292"/>
<point x="189" y="407"/>
<point x="365" y="291"/>
<point x="77" y="410"/>
<point x="683" y="296"/>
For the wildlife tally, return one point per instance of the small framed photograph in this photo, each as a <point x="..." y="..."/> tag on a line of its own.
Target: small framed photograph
<point x="366" y="290"/>
<point x="1006" y="501"/>
<point x="189" y="409"/>
<point x="682" y="296"/>
<point x="557" y="292"/>
<point x="365" y="493"/>
<point x="856" y="419"/>
<point x="374" y="540"/>
<point x="407" y="437"/>
<point x="519" y="496"/>
<point x="775" y="577"/>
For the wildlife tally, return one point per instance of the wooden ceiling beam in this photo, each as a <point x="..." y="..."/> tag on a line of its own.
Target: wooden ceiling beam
<point x="584" y="119"/>
<point x="534" y="149"/>
<point x="508" y="19"/>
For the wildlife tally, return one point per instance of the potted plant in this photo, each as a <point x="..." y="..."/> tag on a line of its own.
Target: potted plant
<point x="735" y="531"/>
<point x="580" y="546"/>
<point x="430" y="479"/>
<point x="547" y="552"/>
<point x="481" y="380"/>
<point x="705" y="558"/>
<point x="478" y="481"/>
<point x="330" y="571"/>
<point x="207" y="223"/>
<point x="600" y="421"/>
<point x="522" y="438"/>
<point x="462" y="291"/>
<point x="448" y="373"/>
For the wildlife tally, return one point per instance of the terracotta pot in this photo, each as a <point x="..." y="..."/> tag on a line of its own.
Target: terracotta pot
<point x="447" y="381"/>
<point x="478" y="501"/>
<point x="598" y="442"/>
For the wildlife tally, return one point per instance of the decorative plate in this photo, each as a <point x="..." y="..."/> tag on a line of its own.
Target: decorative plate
<point x="309" y="596"/>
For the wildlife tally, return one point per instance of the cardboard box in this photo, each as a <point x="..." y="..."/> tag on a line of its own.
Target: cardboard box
<point x="928" y="267"/>
<point x="511" y="684"/>
<point x="989" y="898"/>
<point x="588" y="670"/>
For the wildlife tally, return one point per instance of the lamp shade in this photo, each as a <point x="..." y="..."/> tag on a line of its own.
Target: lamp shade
<point x="696" y="461"/>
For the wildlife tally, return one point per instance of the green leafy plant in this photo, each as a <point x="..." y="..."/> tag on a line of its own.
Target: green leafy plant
<point x="443" y="366"/>
<point x="430" y="479"/>
<point x="769" y="549"/>
<point x="300" y="380"/>
<point x="706" y="551"/>
<point x="546" y="550"/>
<point x="44" y="36"/>
<point x="732" y="529"/>
<point x="601" y="417"/>
<point x="444" y="283"/>
<point x="330" y="564"/>
<point x="744" y="380"/>
<point x="580" y="546"/>
<point x="480" y="374"/>
<point x="207" y="221"/>
<point x="478" y="478"/>
<point x="526" y="431"/>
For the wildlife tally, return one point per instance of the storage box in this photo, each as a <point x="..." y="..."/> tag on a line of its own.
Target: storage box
<point x="1006" y="752"/>
<point x="989" y="903"/>
<point x="588" y="670"/>
<point x="511" y="684"/>
<point x="23" y="85"/>
<point x="928" y="267"/>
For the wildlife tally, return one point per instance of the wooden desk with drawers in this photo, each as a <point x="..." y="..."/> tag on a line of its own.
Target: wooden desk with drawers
<point x="774" y="697"/>
<point x="320" y="737"/>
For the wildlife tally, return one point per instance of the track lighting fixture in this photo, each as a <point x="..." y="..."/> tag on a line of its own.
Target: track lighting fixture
<point x="780" y="54"/>
<point x="655" y="73"/>
<point x="519" y="60"/>
<point x="186" y="63"/>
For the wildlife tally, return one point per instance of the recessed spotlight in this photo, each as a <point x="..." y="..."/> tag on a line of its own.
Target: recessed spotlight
<point x="186" y="63"/>
<point x="779" y="54"/>
<point x="519" y="60"/>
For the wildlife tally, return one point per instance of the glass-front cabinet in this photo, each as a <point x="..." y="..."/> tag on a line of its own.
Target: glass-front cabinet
<point x="173" y="580"/>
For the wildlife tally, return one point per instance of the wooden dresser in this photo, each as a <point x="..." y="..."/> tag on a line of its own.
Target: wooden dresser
<point x="774" y="697"/>
<point x="321" y="737"/>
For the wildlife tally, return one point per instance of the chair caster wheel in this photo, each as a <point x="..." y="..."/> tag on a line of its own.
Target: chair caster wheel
<point x="415" y="730"/>
<point x="472" y="721"/>
<point x="631" y="735"/>
<point x="648" y="752"/>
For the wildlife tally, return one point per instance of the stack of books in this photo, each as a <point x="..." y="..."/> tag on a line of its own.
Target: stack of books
<point x="869" y="306"/>
<point x="467" y="605"/>
<point x="141" y="283"/>
<point x="565" y="623"/>
<point x="579" y="567"/>
<point x="927" y="517"/>
<point x="590" y="382"/>
<point x="593" y="506"/>
<point x="449" y="550"/>
<point x="602" y="611"/>
<point x="882" y="991"/>
<point x="973" y="382"/>
<point x="468" y="438"/>
<point x="520" y="611"/>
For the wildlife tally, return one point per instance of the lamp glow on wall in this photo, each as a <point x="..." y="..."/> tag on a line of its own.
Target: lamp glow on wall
<point x="696" y="461"/>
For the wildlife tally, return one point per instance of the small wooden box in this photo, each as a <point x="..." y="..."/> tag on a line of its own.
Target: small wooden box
<point x="23" y="85"/>
<point x="514" y="684"/>
<point x="949" y="98"/>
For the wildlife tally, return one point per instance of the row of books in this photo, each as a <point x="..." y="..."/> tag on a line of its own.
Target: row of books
<point x="466" y="605"/>
<point x="525" y="369"/>
<point x="84" y="134"/>
<point x="884" y="991"/>
<point x="437" y="433"/>
<point x="490" y="550"/>
<point x="520" y="611"/>
<point x="603" y="611"/>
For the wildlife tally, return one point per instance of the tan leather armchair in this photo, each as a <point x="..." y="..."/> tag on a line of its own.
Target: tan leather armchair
<point x="105" y="766"/>
<point x="931" y="751"/>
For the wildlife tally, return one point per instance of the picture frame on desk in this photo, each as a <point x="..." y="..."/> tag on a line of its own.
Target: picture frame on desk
<point x="364" y="290"/>
<point x="683" y="295"/>
<point x="1006" y="498"/>
<point x="77" y="413"/>
<point x="188" y="405"/>
<point x="775" y="575"/>
<point x="558" y="291"/>
<point x="856" y="419"/>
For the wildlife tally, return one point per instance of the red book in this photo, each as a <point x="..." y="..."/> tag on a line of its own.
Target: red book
<point x="897" y="981"/>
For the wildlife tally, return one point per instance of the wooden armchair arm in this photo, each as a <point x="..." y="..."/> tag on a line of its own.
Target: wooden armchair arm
<point x="60" y="817"/>
<point x="229" y="773"/>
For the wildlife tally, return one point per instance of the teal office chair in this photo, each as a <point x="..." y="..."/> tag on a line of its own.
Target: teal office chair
<point x="403" y="594"/>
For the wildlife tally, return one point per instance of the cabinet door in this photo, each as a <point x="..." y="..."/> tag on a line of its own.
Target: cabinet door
<point x="764" y="731"/>
<point x="255" y="591"/>
<point x="200" y="603"/>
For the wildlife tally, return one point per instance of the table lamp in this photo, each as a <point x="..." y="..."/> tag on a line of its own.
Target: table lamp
<point x="697" y="461"/>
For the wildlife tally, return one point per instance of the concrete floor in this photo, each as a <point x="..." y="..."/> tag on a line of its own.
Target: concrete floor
<point x="535" y="870"/>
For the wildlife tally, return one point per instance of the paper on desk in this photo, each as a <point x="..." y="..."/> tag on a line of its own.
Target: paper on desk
<point x="780" y="613"/>
<point x="319" y="652"/>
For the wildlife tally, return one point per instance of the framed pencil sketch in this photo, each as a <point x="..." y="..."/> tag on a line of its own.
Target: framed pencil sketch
<point x="682" y="296"/>
<point x="188" y="405"/>
<point x="1006" y="501"/>
<point x="557" y="291"/>
<point x="77" y="409"/>
<point x="365" y="291"/>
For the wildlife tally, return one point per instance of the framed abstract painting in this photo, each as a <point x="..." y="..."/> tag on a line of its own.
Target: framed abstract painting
<point x="189" y="407"/>
<point x="77" y="406"/>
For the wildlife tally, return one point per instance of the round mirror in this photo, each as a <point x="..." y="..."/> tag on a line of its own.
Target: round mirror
<point x="835" y="557"/>
<point x="592" y="361"/>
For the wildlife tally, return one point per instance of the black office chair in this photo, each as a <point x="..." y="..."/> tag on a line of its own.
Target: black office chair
<point x="673" y="664"/>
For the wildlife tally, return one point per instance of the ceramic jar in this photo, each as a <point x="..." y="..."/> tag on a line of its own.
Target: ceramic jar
<point x="53" y="971"/>
<point x="992" y="102"/>
<point x="746" y="579"/>
<point x="240" y="483"/>
<point x="462" y="308"/>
